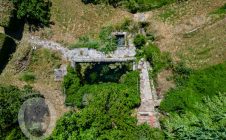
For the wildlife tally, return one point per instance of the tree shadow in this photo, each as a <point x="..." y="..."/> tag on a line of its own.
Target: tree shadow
<point x="15" y="28"/>
<point x="105" y="72"/>
<point x="9" y="47"/>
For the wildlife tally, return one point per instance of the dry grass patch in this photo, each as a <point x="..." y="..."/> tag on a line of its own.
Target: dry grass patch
<point x="73" y="18"/>
<point x="38" y="72"/>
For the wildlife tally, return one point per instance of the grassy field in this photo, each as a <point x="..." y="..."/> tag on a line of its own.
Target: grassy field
<point x="179" y="12"/>
<point x="192" y="31"/>
<point x="72" y="18"/>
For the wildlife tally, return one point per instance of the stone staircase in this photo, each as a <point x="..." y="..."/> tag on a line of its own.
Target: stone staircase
<point x="146" y="111"/>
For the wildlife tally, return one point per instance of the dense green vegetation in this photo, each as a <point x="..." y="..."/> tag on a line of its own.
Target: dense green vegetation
<point x="105" y="111"/>
<point x="139" y="41"/>
<point x="220" y="11"/>
<point x="11" y="99"/>
<point x="158" y="60"/>
<point x="35" y="12"/>
<point x="92" y="74"/>
<point x="133" y="5"/>
<point x="106" y="42"/>
<point x="197" y="106"/>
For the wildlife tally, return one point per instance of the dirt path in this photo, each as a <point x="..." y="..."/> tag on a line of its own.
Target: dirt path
<point x="55" y="97"/>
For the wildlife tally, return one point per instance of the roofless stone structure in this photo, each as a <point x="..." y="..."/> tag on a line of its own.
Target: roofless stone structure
<point x="126" y="53"/>
<point x="79" y="55"/>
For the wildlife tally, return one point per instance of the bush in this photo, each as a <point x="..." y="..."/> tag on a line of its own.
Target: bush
<point x="197" y="84"/>
<point x="36" y="12"/>
<point x="181" y="73"/>
<point x="156" y="58"/>
<point x="139" y="41"/>
<point x="108" y="42"/>
<point x="71" y="85"/>
<point x="85" y="42"/>
<point x="107" y="113"/>
<point x="11" y="99"/>
<point x="196" y="109"/>
<point x="28" y="77"/>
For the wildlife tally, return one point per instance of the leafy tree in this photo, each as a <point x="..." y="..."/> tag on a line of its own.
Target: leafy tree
<point x="36" y="12"/>
<point x="10" y="102"/>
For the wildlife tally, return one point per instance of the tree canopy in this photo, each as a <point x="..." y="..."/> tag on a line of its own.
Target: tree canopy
<point x="35" y="12"/>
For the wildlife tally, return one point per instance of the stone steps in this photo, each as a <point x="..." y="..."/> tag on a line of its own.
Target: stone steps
<point x="146" y="111"/>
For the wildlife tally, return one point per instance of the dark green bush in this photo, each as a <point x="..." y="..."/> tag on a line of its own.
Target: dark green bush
<point x="36" y="12"/>
<point x="11" y="99"/>
<point x="196" y="109"/>
<point x="221" y="10"/>
<point x="71" y="85"/>
<point x="139" y="41"/>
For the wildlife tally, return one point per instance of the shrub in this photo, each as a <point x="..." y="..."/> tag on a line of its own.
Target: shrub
<point x="181" y="73"/>
<point x="11" y="99"/>
<point x="36" y="12"/>
<point x="108" y="42"/>
<point x="221" y="10"/>
<point x="71" y="85"/>
<point x="107" y="113"/>
<point x="196" y="85"/>
<point x="28" y="77"/>
<point x="156" y="58"/>
<point x="139" y="41"/>
<point x="85" y="42"/>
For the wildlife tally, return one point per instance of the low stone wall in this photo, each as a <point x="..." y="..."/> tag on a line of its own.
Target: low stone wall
<point x="85" y="54"/>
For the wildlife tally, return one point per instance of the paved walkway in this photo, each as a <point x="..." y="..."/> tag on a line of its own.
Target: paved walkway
<point x="146" y="111"/>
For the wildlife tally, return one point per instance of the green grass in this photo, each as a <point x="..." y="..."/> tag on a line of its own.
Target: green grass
<point x="202" y="83"/>
<point x="28" y="77"/>
<point x="169" y="13"/>
<point x="73" y="18"/>
<point x="220" y="11"/>
<point x="196" y="109"/>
